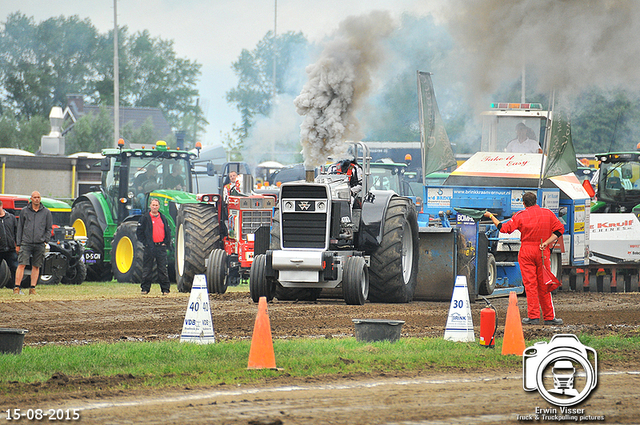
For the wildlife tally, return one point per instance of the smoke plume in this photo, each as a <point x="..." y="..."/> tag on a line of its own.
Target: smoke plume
<point x="569" y="45"/>
<point x="337" y="83"/>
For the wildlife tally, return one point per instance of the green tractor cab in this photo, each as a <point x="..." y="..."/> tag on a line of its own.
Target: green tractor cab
<point x="108" y="217"/>
<point x="618" y="183"/>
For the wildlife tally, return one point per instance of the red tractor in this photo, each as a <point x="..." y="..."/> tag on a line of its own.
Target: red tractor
<point x="244" y="216"/>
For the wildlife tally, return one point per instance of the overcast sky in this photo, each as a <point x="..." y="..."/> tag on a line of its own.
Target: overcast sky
<point x="213" y="32"/>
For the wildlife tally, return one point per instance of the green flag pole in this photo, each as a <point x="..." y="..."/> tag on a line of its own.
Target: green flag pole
<point x="547" y="137"/>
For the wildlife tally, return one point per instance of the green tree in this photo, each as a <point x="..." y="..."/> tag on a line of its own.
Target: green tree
<point x="8" y="130"/>
<point x="232" y="146"/>
<point x="151" y="75"/>
<point x="42" y="63"/>
<point x="91" y="133"/>
<point x="604" y="122"/>
<point x="31" y="131"/>
<point x="392" y="113"/>
<point x="145" y="134"/>
<point x="254" y="93"/>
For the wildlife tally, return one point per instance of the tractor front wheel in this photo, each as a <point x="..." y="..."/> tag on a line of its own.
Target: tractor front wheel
<point x="259" y="284"/>
<point x="127" y="254"/>
<point x="217" y="272"/>
<point x="76" y="274"/>
<point x="355" y="281"/>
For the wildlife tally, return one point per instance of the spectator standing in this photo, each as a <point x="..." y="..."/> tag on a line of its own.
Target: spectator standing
<point x="154" y="233"/>
<point x="8" y="253"/>
<point x="539" y="227"/>
<point x="33" y="232"/>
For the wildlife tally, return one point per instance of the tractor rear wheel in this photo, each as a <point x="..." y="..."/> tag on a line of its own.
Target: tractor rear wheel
<point x="127" y="254"/>
<point x="85" y="220"/>
<point x="355" y="281"/>
<point x="259" y="284"/>
<point x="217" y="272"/>
<point x="394" y="264"/>
<point x="197" y="234"/>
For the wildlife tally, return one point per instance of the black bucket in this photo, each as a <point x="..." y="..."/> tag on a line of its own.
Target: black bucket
<point x="372" y="330"/>
<point x="11" y="340"/>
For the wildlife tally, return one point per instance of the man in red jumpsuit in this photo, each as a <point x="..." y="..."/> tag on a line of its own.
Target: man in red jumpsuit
<point x="539" y="228"/>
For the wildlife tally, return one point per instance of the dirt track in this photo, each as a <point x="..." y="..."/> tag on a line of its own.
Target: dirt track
<point x="156" y="317"/>
<point x="459" y="398"/>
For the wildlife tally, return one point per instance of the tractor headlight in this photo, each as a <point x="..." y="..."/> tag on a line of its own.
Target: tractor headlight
<point x="288" y="206"/>
<point x="321" y="206"/>
<point x="343" y="194"/>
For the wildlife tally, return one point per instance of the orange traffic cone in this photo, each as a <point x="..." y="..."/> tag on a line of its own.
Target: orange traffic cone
<point x="261" y="355"/>
<point x="513" y="342"/>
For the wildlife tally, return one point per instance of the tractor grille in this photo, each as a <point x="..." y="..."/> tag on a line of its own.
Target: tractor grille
<point x="304" y="192"/>
<point x="19" y="204"/>
<point x="300" y="230"/>
<point x="304" y="227"/>
<point x="252" y="220"/>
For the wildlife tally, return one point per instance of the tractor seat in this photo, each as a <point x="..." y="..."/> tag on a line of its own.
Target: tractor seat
<point x="614" y="183"/>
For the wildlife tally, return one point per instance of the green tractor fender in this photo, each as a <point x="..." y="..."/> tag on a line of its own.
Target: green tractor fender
<point x="597" y="206"/>
<point x="100" y="205"/>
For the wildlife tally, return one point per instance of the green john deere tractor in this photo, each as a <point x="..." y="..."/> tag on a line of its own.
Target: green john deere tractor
<point x="109" y="216"/>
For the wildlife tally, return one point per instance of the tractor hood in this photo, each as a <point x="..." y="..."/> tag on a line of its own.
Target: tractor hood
<point x="177" y="196"/>
<point x="499" y="169"/>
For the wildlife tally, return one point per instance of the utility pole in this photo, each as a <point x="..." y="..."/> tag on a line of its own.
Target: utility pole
<point x="275" y="61"/>
<point x="523" y="85"/>
<point x="116" y="77"/>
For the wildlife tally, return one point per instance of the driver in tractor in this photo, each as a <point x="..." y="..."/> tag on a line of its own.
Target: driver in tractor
<point x="524" y="141"/>
<point x="231" y="188"/>
<point x="353" y="171"/>
<point x="175" y="180"/>
<point x="146" y="182"/>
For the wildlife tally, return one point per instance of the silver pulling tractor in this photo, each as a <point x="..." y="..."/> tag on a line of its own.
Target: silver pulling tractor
<point x="326" y="235"/>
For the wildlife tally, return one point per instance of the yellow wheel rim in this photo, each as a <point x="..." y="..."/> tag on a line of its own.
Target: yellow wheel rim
<point x="81" y="229"/>
<point x="124" y="255"/>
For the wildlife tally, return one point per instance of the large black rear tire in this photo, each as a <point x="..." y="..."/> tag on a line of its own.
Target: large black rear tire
<point x="127" y="254"/>
<point x="217" y="272"/>
<point x="355" y="281"/>
<point x="259" y="284"/>
<point x="394" y="264"/>
<point x="85" y="220"/>
<point x="197" y="234"/>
